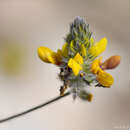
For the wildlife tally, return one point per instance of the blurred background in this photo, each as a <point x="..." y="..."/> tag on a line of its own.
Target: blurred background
<point x="26" y="81"/>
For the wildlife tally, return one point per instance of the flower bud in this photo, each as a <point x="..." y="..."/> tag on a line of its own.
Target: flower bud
<point x="86" y="96"/>
<point x="111" y="63"/>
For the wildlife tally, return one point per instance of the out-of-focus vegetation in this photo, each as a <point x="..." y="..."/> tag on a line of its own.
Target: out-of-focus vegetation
<point x="12" y="56"/>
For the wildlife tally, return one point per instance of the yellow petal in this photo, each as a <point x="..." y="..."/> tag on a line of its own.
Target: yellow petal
<point x="74" y="66"/>
<point x="65" y="50"/>
<point x="105" y="79"/>
<point x="47" y="55"/>
<point x="95" y="66"/>
<point x="78" y="58"/>
<point x="83" y="50"/>
<point x="98" y="48"/>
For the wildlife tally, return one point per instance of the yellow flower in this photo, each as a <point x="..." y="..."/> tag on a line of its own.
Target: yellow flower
<point x="48" y="56"/>
<point x="65" y="50"/>
<point x="83" y="50"/>
<point x="75" y="64"/>
<point x="98" y="48"/>
<point x="95" y="66"/>
<point x="78" y="58"/>
<point x="103" y="77"/>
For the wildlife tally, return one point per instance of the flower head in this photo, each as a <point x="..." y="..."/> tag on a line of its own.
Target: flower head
<point x="78" y="62"/>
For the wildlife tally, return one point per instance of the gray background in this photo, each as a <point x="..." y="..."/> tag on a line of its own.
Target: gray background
<point x="27" y="24"/>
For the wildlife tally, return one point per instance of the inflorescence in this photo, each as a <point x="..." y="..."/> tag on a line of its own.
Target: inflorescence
<point x="80" y="66"/>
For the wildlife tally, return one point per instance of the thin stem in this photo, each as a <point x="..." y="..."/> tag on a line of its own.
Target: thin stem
<point x="34" y="108"/>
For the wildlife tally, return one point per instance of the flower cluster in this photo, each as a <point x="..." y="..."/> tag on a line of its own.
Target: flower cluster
<point x="78" y="62"/>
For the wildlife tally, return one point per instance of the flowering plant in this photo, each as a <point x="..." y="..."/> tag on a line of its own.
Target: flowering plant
<point x="78" y="62"/>
<point x="80" y="66"/>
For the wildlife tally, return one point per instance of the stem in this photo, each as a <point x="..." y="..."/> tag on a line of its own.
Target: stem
<point x="33" y="109"/>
